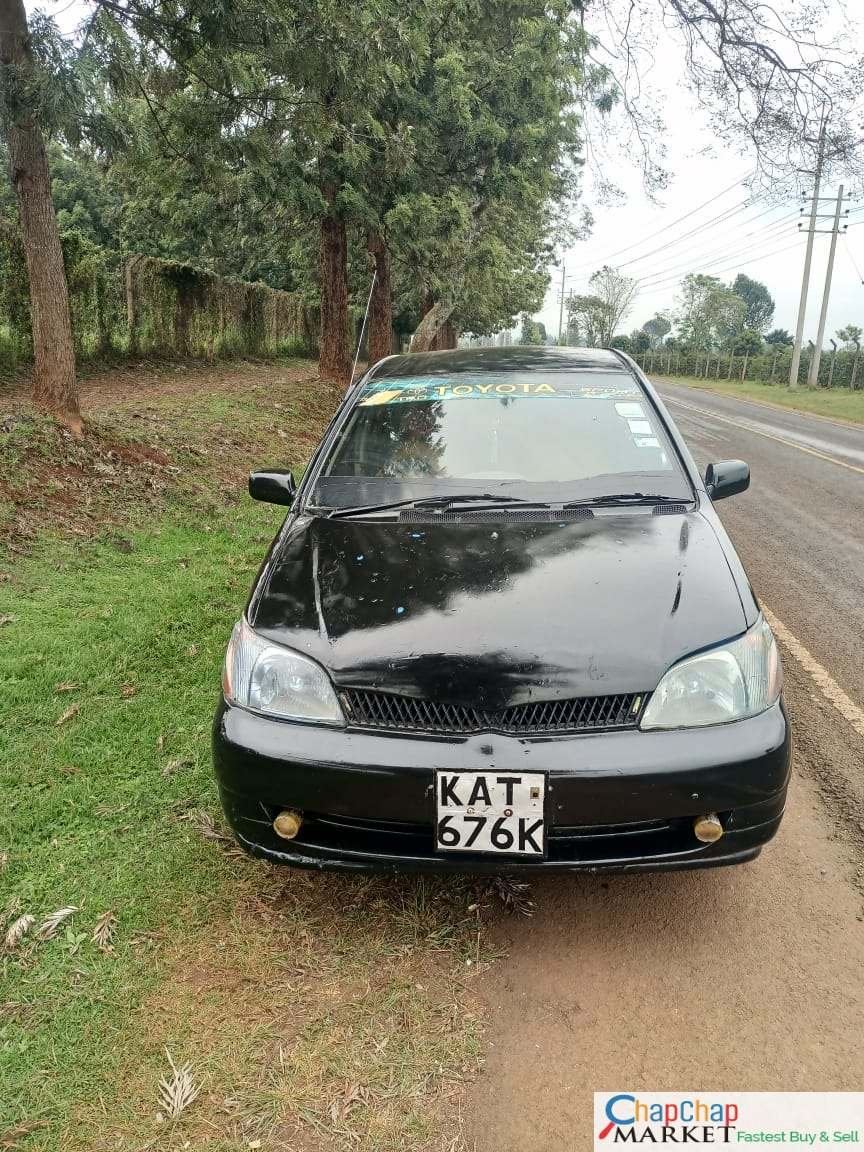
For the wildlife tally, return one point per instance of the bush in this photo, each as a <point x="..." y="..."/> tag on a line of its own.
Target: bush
<point x="138" y="305"/>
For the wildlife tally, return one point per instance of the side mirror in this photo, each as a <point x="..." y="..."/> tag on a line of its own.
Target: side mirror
<point x="727" y="479"/>
<point x="275" y="486"/>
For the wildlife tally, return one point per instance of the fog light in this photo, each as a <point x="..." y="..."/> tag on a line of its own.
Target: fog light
<point x="708" y="829"/>
<point x="287" y="824"/>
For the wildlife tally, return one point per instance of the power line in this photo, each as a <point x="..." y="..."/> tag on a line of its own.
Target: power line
<point x="722" y="218"/>
<point x="736" y="263"/>
<point x="666" y="227"/>
<point x="707" y="259"/>
<point x="698" y="260"/>
<point x="770" y="232"/>
<point x="715" y="221"/>
<point x="851" y="256"/>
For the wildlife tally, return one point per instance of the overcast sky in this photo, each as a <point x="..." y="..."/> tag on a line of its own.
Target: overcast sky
<point x="755" y="238"/>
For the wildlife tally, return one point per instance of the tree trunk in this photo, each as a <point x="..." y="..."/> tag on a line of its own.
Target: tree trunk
<point x="429" y="327"/>
<point x="380" y="339"/>
<point x="334" y="353"/>
<point x="54" y="385"/>
<point x="446" y="338"/>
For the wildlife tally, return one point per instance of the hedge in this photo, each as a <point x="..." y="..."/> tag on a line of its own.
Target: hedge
<point x="140" y="305"/>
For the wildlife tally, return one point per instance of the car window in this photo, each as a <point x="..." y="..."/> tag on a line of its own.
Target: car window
<point x="412" y="436"/>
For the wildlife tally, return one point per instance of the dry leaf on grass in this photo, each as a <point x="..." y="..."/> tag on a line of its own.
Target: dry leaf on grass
<point x="128" y="690"/>
<point x="175" y="765"/>
<point x="8" y="619"/>
<point x="13" y="1137"/>
<point x="205" y="824"/>
<point x="71" y="711"/>
<point x="352" y="1096"/>
<point x="514" y="894"/>
<point x="50" y="925"/>
<point x="209" y="829"/>
<point x="177" y="1091"/>
<point x="18" y="929"/>
<point x="4" y="860"/>
<point x="65" y="686"/>
<point x="103" y="932"/>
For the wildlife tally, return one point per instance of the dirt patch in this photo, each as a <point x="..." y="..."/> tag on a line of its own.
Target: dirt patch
<point x="323" y="1013"/>
<point x="152" y="434"/>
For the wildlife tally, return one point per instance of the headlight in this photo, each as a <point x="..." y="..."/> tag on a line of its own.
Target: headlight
<point x="268" y="678"/>
<point x="728" y="683"/>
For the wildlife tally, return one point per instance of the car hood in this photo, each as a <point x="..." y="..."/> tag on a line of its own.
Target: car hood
<point x="499" y="613"/>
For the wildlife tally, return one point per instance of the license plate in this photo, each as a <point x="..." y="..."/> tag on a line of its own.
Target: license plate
<point x="497" y="812"/>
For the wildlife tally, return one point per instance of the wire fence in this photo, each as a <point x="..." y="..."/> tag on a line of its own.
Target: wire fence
<point x="842" y="368"/>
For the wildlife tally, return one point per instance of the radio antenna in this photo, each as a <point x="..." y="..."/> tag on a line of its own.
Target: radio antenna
<point x="363" y="329"/>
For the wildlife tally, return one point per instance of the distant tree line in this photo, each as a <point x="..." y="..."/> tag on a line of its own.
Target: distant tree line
<point x="715" y="329"/>
<point x="436" y="146"/>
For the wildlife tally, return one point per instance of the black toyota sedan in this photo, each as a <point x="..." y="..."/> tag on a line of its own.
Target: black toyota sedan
<point x="502" y="627"/>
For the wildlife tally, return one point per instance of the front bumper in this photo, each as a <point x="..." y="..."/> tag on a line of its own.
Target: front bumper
<point x="615" y="800"/>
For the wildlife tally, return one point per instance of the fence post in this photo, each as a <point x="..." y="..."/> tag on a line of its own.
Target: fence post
<point x="831" y="369"/>
<point x="744" y="367"/>
<point x="729" y="373"/>
<point x="855" y="366"/>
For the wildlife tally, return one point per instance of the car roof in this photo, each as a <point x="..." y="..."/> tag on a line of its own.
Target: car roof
<point x="516" y="358"/>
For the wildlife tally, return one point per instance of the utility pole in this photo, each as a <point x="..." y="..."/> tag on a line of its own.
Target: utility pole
<point x="561" y="310"/>
<point x="813" y="375"/>
<point x="808" y="257"/>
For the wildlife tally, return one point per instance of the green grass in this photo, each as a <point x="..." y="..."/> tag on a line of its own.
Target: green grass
<point x="221" y="960"/>
<point x="284" y="991"/>
<point x="837" y="403"/>
<point x="91" y="817"/>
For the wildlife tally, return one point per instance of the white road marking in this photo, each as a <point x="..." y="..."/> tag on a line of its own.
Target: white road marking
<point x="737" y="423"/>
<point x="823" y="680"/>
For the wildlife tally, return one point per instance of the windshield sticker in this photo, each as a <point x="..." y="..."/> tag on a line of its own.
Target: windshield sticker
<point x="646" y="441"/>
<point x="640" y="427"/>
<point x="413" y="389"/>
<point x="629" y="411"/>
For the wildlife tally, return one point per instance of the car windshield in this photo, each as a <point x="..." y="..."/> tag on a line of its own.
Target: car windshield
<point x="543" y="437"/>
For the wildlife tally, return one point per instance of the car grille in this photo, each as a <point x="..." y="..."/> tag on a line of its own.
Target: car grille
<point x="391" y="712"/>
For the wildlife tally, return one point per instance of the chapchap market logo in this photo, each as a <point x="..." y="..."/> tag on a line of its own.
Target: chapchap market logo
<point x="629" y="1120"/>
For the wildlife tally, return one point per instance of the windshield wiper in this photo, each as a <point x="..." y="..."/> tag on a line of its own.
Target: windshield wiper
<point x="625" y="498"/>
<point x="476" y="498"/>
<point x="443" y="501"/>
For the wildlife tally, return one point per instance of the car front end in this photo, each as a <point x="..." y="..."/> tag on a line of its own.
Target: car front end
<point x="360" y="779"/>
<point x="501" y="628"/>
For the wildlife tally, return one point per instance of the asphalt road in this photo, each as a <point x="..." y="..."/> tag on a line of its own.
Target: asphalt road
<point x="749" y="978"/>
